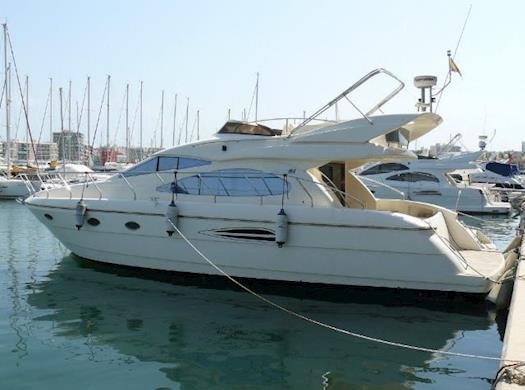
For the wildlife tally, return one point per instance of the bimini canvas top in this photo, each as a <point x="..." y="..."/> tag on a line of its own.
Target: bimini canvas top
<point x="502" y="169"/>
<point x="237" y="127"/>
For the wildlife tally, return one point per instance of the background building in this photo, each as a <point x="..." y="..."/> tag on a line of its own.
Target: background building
<point x="46" y="151"/>
<point x="70" y="145"/>
<point x="437" y="149"/>
<point x="22" y="152"/>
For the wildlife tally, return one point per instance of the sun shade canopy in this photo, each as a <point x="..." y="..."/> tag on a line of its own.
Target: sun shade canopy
<point x="236" y="127"/>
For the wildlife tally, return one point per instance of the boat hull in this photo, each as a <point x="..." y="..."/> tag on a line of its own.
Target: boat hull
<point x="327" y="251"/>
<point x="13" y="189"/>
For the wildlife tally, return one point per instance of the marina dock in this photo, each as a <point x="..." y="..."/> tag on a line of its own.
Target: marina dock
<point x="511" y="376"/>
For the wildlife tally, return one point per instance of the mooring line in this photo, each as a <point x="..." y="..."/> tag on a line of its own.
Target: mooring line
<point x="332" y="327"/>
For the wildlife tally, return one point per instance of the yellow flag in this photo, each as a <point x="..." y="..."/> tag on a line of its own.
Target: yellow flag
<point x="453" y="67"/>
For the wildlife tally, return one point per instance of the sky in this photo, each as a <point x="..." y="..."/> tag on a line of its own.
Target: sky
<point x="306" y="52"/>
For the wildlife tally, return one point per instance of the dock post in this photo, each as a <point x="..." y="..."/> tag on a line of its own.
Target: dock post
<point x="511" y="376"/>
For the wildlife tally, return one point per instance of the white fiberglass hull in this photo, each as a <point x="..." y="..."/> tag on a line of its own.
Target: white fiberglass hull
<point x="13" y="189"/>
<point x="322" y="247"/>
<point x="470" y="201"/>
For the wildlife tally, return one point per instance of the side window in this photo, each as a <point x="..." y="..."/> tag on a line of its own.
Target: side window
<point x="385" y="168"/>
<point x="171" y="163"/>
<point x="422" y="176"/>
<point x="371" y="171"/>
<point x="230" y="182"/>
<point x="393" y="167"/>
<point x="414" y="177"/>
<point x="148" y="166"/>
<point x="167" y="163"/>
<point x="191" y="162"/>
<point x="399" y="177"/>
<point x="164" y="163"/>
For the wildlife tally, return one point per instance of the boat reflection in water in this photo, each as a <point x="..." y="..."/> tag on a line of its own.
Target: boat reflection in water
<point x="201" y="336"/>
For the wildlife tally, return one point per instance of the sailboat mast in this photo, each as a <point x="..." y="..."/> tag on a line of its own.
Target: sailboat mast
<point x="127" y="122"/>
<point x="79" y="145"/>
<point x="50" y="109"/>
<point x="198" y="124"/>
<point x="257" y="97"/>
<point x="69" y="107"/>
<point x="140" y="99"/>
<point x="187" y="119"/>
<point x="27" y="111"/>
<point x="7" y="72"/>
<point x="162" y="121"/>
<point x="107" y="115"/>
<point x="174" y="120"/>
<point x="88" y="120"/>
<point x="62" y="128"/>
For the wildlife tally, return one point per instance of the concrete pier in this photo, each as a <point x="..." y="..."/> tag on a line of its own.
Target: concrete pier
<point x="512" y="377"/>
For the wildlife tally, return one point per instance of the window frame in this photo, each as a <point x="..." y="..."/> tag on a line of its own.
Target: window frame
<point x="241" y="182"/>
<point x="379" y="169"/>
<point x="131" y="171"/>
<point x="410" y="176"/>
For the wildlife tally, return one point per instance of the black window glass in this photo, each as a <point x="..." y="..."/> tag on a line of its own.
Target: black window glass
<point x="167" y="163"/>
<point x="191" y="162"/>
<point x="164" y="163"/>
<point x="212" y="185"/>
<point x="393" y="167"/>
<point x="276" y="185"/>
<point x="148" y="166"/>
<point x="230" y="182"/>
<point x="371" y="171"/>
<point x="414" y="177"/>
<point x="385" y="168"/>
<point x="422" y="176"/>
<point x="400" y="177"/>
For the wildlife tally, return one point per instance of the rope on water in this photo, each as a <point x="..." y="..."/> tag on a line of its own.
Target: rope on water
<point x="328" y="326"/>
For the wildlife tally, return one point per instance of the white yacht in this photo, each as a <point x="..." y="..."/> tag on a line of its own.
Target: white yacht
<point x="502" y="175"/>
<point x="21" y="185"/>
<point x="443" y="182"/>
<point x="254" y="201"/>
<point x="75" y="173"/>
<point x="13" y="188"/>
<point x="24" y="184"/>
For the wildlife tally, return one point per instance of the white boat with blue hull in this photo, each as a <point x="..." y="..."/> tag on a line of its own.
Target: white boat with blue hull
<point x="229" y="190"/>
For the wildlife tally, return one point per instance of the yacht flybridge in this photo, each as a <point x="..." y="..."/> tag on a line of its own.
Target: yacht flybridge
<point x="255" y="200"/>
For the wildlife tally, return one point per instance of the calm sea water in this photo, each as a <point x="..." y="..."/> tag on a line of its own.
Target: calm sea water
<point x="67" y="324"/>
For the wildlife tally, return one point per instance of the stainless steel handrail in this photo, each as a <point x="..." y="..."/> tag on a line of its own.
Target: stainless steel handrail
<point x="304" y="189"/>
<point x="295" y="118"/>
<point x="333" y="187"/>
<point x="94" y="182"/>
<point x="29" y="185"/>
<point x="353" y="87"/>
<point x="129" y="185"/>
<point x="364" y="179"/>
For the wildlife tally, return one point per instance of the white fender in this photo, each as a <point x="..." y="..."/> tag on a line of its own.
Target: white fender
<point x="80" y="214"/>
<point x="281" y="228"/>
<point x="172" y="218"/>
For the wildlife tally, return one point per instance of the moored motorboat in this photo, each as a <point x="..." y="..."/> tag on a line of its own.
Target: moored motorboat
<point x="436" y="181"/>
<point x="255" y="200"/>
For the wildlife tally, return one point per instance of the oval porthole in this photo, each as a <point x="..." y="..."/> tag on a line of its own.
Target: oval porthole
<point x="48" y="216"/>
<point x="132" y="225"/>
<point x="93" y="222"/>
